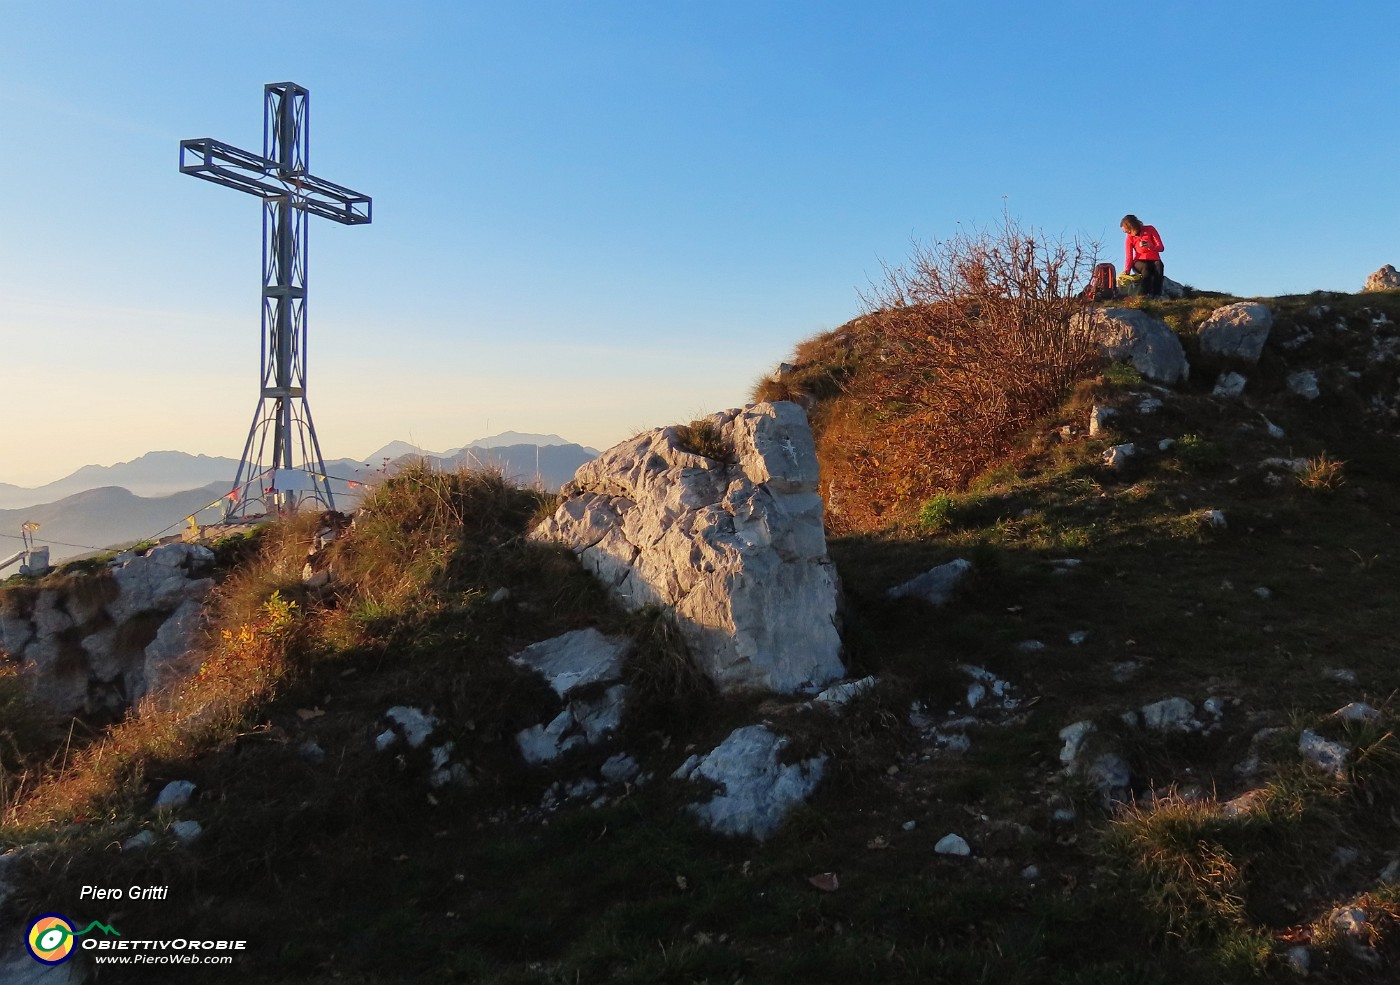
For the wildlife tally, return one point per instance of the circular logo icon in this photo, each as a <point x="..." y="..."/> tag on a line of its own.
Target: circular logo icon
<point x="50" y="939"/>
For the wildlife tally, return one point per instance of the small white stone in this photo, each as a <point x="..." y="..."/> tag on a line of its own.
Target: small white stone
<point x="1064" y="815"/>
<point x="1357" y="712"/>
<point x="951" y="844"/>
<point x="909" y="825"/>
<point x="1149" y="405"/>
<point x="1214" y="707"/>
<point x="1229" y="385"/>
<point x="1263" y="593"/>
<point x="1216" y="519"/>
<point x="1166" y="444"/>
<point x="186" y="832"/>
<point x="416" y="725"/>
<point x="975" y="694"/>
<point x="140" y="841"/>
<point x="384" y="739"/>
<point x="1030" y="646"/>
<point x="500" y="595"/>
<point x="176" y="794"/>
<point x="1030" y="873"/>
<point x="1323" y="753"/>
<point x="1340" y="675"/>
<point x="1078" y="636"/>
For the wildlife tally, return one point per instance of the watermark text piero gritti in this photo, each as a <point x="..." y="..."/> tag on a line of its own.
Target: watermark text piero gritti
<point x="130" y="892"/>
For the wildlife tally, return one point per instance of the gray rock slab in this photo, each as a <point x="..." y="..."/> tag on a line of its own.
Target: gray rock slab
<point x="576" y="659"/>
<point x="174" y="795"/>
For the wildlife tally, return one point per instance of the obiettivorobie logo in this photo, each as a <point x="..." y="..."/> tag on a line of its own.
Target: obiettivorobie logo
<point x="51" y="937"/>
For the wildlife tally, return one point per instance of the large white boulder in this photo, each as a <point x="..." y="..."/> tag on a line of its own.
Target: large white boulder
<point x="733" y="545"/>
<point x="1237" y="331"/>
<point x="1131" y="335"/>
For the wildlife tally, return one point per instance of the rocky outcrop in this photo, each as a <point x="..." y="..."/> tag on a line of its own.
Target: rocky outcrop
<point x="1237" y="331"/>
<point x="722" y="524"/>
<point x="97" y="643"/>
<point x="1130" y="335"/>
<point x="1385" y="279"/>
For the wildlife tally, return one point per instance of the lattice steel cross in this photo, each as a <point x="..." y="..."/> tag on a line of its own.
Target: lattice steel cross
<point x="289" y="192"/>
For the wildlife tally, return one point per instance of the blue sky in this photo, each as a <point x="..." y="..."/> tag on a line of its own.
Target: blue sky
<point x="593" y="218"/>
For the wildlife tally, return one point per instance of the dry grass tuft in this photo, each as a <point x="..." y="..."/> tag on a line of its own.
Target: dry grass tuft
<point x="1323" y="474"/>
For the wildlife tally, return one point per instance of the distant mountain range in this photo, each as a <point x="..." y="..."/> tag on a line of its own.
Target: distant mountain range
<point x="105" y="517"/>
<point x="100" y="506"/>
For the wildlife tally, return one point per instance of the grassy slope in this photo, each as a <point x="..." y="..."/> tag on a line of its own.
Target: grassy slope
<point x="348" y="870"/>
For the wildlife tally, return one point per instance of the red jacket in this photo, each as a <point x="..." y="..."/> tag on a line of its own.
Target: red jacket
<point x="1146" y="245"/>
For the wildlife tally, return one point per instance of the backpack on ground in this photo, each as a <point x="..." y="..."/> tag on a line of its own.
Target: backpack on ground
<point x="1103" y="284"/>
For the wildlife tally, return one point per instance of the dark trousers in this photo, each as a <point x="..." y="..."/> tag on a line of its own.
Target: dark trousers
<point x="1151" y="273"/>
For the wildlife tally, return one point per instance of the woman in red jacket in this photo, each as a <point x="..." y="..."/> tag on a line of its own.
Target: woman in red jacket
<point x="1144" y="254"/>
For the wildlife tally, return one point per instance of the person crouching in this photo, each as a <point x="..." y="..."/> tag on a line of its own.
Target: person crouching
<point x="1144" y="254"/>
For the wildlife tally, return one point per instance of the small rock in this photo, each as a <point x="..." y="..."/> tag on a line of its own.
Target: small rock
<point x="500" y="595"/>
<point x="385" y="739"/>
<point x="1263" y="593"/>
<point x="1078" y="636"/>
<point x="951" y="844"/>
<point x="140" y="841"/>
<point x="1214" y="707"/>
<point x="1350" y="920"/>
<point x="1030" y="873"/>
<point x="1340" y="675"/>
<point x="1124" y="671"/>
<point x="1098" y="419"/>
<point x="176" y="794"/>
<point x="1304" y="384"/>
<point x="1229" y="385"/>
<point x="1166" y="444"/>
<point x="1357" y="712"/>
<point x="935" y="586"/>
<point x="1111" y="776"/>
<point x="1170" y="715"/>
<point x="311" y="751"/>
<point x="1216" y="519"/>
<point x="620" y="768"/>
<point x="1073" y="737"/>
<point x="1117" y="456"/>
<point x="1064" y="815"/>
<point x="1299" y="958"/>
<point x="911" y="825"/>
<point x="1149" y="405"/>
<point x="1325" y="754"/>
<point x="1273" y="429"/>
<point x="840" y="694"/>
<point x="186" y="832"/>
<point x="416" y="725"/>
<point x="975" y="694"/>
<point x="1030" y="646"/>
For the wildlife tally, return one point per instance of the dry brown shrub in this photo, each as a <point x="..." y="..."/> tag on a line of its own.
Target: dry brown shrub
<point x="976" y="340"/>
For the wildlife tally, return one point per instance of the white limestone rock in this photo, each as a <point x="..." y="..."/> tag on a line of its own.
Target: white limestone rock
<point x="413" y="724"/>
<point x="187" y="832"/>
<point x="840" y="695"/>
<point x="173" y="655"/>
<point x="1326" y="754"/>
<point x="952" y="844"/>
<point x="756" y="791"/>
<point x="1229" y="386"/>
<point x="1131" y="335"/>
<point x="1237" y="331"/>
<point x="1170" y="715"/>
<point x="576" y="659"/>
<point x="735" y="548"/>
<point x="1117" y="456"/>
<point x="936" y="585"/>
<point x="174" y="795"/>
<point x="1304" y="384"/>
<point x="1098" y="419"/>
<point x="1385" y="279"/>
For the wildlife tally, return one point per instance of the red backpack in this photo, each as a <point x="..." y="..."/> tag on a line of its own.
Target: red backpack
<point x="1103" y="284"/>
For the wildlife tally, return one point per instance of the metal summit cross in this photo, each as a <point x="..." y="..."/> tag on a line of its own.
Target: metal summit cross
<point x="295" y="470"/>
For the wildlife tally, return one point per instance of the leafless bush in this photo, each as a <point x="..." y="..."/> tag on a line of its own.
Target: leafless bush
<point x="977" y="340"/>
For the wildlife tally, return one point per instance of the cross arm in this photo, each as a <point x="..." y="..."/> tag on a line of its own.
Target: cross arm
<point x="233" y="167"/>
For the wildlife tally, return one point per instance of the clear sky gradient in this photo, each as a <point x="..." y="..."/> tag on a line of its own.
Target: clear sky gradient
<point x="592" y="218"/>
